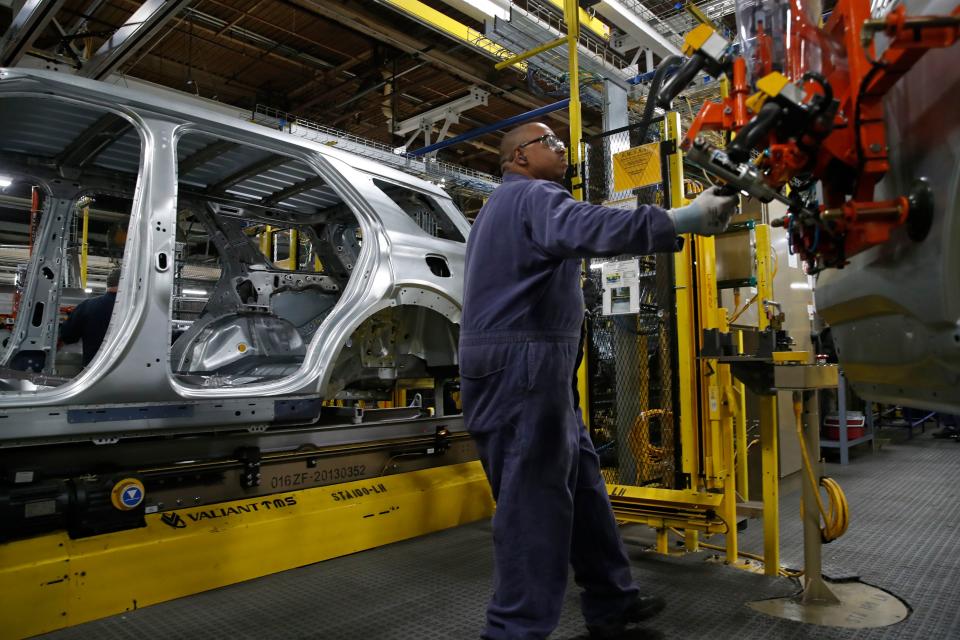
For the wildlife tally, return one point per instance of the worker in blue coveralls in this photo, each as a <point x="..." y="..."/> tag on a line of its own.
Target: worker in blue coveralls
<point x="88" y="322"/>
<point x="519" y="344"/>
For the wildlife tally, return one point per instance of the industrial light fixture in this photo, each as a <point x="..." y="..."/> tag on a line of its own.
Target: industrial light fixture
<point x="488" y="8"/>
<point x="491" y="8"/>
<point x="800" y="285"/>
<point x="194" y="292"/>
<point x="5" y="181"/>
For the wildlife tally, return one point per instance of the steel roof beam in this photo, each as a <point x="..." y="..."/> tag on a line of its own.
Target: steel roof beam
<point x="332" y="74"/>
<point x="146" y="22"/>
<point x="96" y="179"/>
<point x="91" y="143"/>
<point x="301" y="37"/>
<point x="271" y="162"/>
<point x="293" y="190"/>
<point x="27" y="25"/>
<point x="84" y="15"/>
<point x="358" y="20"/>
<point x="222" y="83"/>
<point x="380" y="85"/>
<point x="205" y="155"/>
<point x="266" y="47"/>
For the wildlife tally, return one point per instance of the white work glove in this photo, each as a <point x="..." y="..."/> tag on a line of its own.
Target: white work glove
<point x="707" y="215"/>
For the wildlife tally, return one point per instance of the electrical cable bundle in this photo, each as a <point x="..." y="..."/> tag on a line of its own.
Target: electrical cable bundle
<point x="837" y="519"/>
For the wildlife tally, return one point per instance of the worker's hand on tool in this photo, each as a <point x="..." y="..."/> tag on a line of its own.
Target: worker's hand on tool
<point x="708" y="214"/>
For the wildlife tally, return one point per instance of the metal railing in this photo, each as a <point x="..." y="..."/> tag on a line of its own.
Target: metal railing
<point x="676" y="17"/>
<point x="654" y="21"/>
<point x="553" y="18"/>
<point x="450" y="176"/>
<point x="527" y="29"/>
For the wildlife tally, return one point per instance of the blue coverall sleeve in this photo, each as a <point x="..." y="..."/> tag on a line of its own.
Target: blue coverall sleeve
<point x="566" y="228"/>
<point x="71" y="330"/>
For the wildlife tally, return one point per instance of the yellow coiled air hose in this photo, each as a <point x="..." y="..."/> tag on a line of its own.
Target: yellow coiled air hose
<point x="836" y="520"/>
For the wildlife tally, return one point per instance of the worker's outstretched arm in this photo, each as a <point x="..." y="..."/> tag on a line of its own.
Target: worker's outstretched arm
<point x="566" y="228"/>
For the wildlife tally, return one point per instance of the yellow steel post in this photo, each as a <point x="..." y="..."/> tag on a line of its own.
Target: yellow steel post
<point x="571" y="17"/>
<point x="711" y="390"/>
<point x="718" y="397"/>
<point x="663" y="540"/>
<point x="691" y="538"/>
<point x="764" y="276"/>
<point x="266" y="242"/>
<point x="587" y="20"/>
<point x="686" y="359"/>
<point x="399" y="397"/>
<point x="84" y="247"/>
<point x="729" y="506"/>
<point x="769" y="447"/>
<point x="294" y="246"/>
<point x="742" y="445"/>
<point x="717" y="392"/>
<point x="686" y="329"/>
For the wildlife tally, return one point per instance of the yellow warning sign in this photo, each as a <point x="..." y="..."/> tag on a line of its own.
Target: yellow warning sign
<point x="637" y="167"/>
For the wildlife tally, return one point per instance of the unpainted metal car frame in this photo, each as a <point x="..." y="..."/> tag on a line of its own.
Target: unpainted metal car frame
<point x="402" y="289"/>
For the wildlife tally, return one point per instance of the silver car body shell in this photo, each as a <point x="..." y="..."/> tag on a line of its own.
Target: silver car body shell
<point x="391" y="271"/>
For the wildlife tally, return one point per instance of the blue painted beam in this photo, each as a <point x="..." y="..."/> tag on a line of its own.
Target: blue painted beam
<point x="479" y="131"/>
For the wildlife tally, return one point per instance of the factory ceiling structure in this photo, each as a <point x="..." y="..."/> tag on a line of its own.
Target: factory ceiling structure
<point x="367" y="68"/>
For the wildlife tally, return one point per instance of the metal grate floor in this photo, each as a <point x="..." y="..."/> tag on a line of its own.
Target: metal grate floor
<point x="905" y="503"/>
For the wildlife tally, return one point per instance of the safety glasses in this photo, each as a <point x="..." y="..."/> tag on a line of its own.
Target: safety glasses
<point x="551" y="141"/>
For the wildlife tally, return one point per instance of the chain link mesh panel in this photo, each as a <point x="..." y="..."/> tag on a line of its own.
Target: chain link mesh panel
<point x="599" y="166"/>
<point x="631" y="366"/>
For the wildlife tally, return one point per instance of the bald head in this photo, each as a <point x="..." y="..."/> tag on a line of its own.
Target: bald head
<point x="516" y="137"/>
<point x="532" y="151"/>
